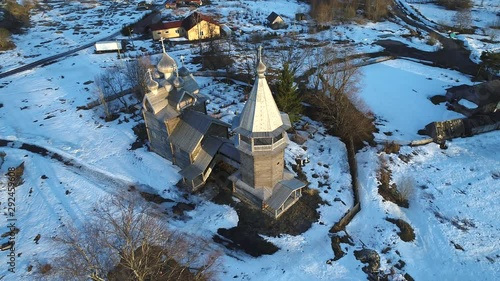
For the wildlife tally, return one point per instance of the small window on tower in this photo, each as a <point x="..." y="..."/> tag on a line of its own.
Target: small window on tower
<point x="277" y="138"/>
<point x="263" y="141"/>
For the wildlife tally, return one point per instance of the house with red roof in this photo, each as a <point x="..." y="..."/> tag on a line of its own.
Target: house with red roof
<point x="193" y="27"/>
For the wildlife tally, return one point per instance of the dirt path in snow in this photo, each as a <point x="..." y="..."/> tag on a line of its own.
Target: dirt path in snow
<point x="453" y="55"/>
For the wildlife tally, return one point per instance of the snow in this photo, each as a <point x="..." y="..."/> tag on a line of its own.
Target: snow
<point x="458" y="184"/>
<point x="405" y="107"/>
<point x="450" y="204"/>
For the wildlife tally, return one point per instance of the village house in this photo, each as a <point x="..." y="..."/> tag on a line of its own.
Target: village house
<point x="275" y="21"/>
<point x="193" y="27"/>
<point x="167" y="30"/>
<point x="180" y="130"/>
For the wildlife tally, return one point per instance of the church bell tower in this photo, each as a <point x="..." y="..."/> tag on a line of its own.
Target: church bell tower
<point x="261" y="142"/>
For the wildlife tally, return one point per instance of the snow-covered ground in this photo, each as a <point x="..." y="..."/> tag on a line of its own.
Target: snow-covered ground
<point x="404" y="107"/>
<point x="452" y="205"/>
<point x="40" y="107"/>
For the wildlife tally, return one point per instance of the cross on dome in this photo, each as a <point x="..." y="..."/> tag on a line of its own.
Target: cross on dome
<point x="261" y="67"/>
<point x="162" y="45"/>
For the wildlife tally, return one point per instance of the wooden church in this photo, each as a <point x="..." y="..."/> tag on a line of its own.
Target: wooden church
<point x="262" y="179"/>
<point x="180" y="130"/>
<point x="177" y="124"/>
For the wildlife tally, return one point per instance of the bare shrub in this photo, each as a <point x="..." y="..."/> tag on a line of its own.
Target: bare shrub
<point x="463" y="21"/>
<point x="432" y="39"/>
<point x="15" y="16"/>
<point x="495" y="24"/>
<point x="377" y="9"/>
<point x="324" y="11"/>
<point x="384" y="174"/>
<point x="388" y="191"/>
<point x="391" y="147"/>
<point x="6" y="40"/>
<point x="406" y="187"/>
<point x="44" y="268"/>
<point x="494" y="31"/>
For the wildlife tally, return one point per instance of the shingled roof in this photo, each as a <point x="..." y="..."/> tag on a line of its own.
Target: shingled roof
<point x="191" y="129"/>
<point x="272" y="17"/>
<point x="282" y="191"/>
<point x="166" y="25"/>
<point x="260" y="116"/>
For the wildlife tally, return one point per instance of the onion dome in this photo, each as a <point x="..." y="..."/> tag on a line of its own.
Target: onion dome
<point x="261" y="69"/>
<point x="152" y="85"/>
<point x="177" y="82"/>
<point x="183" y="72"/>
<point x="166" y="64"/>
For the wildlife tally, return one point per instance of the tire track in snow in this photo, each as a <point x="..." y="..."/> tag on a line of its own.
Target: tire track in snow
<point x="106" y="181"/>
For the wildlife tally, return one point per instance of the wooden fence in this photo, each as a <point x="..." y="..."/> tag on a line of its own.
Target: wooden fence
<point x="351" y="213"/>
<point x="97" y="102"/>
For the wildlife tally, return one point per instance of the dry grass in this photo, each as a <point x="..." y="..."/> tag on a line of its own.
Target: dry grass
<point x="387" y="190"/>
<point x="406" y="232"/>
<point x="432" y="39"/>
<point x="391" y="147"/>
<point x="44" y="268"/>
<point x="406" y="187"/>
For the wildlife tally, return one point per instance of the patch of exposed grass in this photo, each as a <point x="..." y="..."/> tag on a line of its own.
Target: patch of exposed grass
<point x="387" y="190"/>
<point x="391" y="147"/>
<point x="406" y="232"/>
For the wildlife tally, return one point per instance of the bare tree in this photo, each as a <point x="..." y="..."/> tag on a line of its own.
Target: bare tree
<point x="135" y="72"/>
<point x="336" y="84"/>
<point x="102" y="98"/>
<point x="295" y="54"/>
<point x="463" y="19"/>
<point x="376" y="9"/>
<point x="114" y="84"/>
<point x="126" y="238"/>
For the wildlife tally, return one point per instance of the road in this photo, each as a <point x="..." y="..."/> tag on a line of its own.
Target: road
<point x="53" y="58"/>
<point x="453" y="54"/>
<point x="147" y="20"/>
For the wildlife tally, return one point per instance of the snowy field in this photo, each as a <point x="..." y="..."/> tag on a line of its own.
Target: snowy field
<point x="454" y="203"/>
<point x="405" y="107"/>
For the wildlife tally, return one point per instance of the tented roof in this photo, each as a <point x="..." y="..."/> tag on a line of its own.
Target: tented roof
<point x="260" y="116"/>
